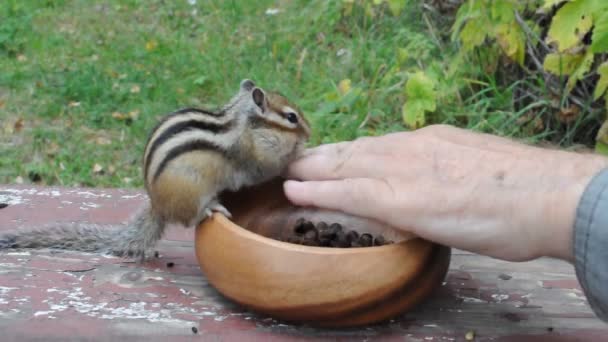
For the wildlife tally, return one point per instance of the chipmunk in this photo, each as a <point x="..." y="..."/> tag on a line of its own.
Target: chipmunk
<point x="191" y="156"/>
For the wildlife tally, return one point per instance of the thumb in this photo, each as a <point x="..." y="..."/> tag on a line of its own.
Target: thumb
<point x="356" y="196"/>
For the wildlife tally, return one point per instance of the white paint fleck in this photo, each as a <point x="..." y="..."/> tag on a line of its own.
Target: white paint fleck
<point x="500" y="297"/>
<point x="130" y="196"/>
<point x="88" y="194"/>
<point x="12" y="199"/>
<point x="4" y="290"/>
<point x="19" y="253"/>
<point x="472" y="300"/>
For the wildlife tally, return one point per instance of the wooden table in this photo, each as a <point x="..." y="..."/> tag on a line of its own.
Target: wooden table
<point x="50" y="295"/>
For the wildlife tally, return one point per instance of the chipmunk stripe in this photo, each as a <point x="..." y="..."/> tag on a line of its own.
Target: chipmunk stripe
<point x="200" y="111"/>
<point x="182" y="126"/>
<point x="190" y="146"/>
<point x="174" y="118"/>
<point x="256" y="122"/>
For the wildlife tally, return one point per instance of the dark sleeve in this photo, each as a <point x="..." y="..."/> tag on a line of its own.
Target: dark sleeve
<point x="591" y="244"/>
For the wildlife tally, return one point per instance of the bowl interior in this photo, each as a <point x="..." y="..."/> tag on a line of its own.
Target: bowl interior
<point x="264" y="209"/>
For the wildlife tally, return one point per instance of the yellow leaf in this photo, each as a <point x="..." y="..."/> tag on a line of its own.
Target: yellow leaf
<point x="602" y="83"/>
<point x="134" y="114"/>
<point x="581" y="70"/>
<point x="562" y="64"/>
<point x="344" y="86"/>
<point x="569" y="25"/>
<point x="550" y="3"/>
<point x="151" y="45"/>
<point x="119" y="116"/>
<point x="512" y="40"/>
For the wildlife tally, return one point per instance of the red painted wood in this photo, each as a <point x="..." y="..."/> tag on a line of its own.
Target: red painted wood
<point x="59" y="295"/>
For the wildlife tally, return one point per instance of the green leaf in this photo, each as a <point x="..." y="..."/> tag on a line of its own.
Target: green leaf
<point x="502" y="11"/>
<point x="562" y="64"/>
<point x="466" y="12"/>
<point x="570" y="24"/>
<point x="421" y="97"/>
<point x="602" y="83"/>
<point x="599" y="37"/>
<point x="200" y="81"/>
<point x="474" y="33"/>
<point x="396" y="6"/>
<point x="601" y="140"/>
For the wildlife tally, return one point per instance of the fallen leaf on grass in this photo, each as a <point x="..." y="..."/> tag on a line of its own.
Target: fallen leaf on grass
<point x="18" y="125"/>
<point x="132" y="115"/>
<point x="344" y="86"/>
<point x="135" y="89"/>
<point x="52" y="149"/>
<point x="102" y="141"/>
<point x="151" y="45"/>
<point x="13" y="127"/>
<point x="569" y="114"/>
<point x="97" y="169"/>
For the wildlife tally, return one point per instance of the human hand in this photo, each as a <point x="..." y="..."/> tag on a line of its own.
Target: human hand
<point x="471" y="191"/>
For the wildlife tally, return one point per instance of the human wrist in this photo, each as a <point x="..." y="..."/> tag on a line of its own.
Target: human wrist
<point x="559" y="205"/>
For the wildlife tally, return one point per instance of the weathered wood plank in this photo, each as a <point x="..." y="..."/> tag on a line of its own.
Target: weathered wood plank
<point x="50" y="295"/>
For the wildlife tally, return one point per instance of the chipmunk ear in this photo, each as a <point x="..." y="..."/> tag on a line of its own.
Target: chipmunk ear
<point x="247" y="84"/>
<point x="259" y="98"/>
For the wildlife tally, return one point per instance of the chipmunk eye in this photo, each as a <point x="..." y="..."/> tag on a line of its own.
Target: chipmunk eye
<point x="292" y="117"/>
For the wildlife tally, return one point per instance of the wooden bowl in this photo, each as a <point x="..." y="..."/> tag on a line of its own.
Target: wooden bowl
<point x="322" y="286"/>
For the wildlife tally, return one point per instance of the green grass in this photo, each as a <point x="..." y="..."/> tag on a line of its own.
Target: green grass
<point x="72" y="70"/>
